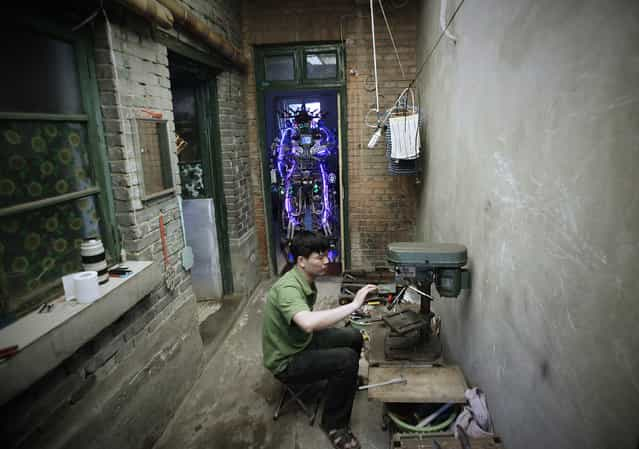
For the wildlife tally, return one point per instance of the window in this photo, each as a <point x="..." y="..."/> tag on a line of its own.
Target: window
<point x="279" y="68"/>
<point x="282" y="66"/>
<point x="321" y="65"/>
<point x="153" y="157"/>
<point x="52" y="179"/>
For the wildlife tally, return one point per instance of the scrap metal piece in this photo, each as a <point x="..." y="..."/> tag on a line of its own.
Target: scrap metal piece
<point x="397" y="380"/>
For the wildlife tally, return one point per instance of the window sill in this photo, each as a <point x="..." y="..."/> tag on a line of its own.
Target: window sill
<point x="46" y="339"/>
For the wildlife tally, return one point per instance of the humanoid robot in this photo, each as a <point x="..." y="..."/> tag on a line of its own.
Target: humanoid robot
<point x="303" y="175"/>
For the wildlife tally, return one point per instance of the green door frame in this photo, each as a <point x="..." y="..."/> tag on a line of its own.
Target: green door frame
<point x="301" y="82"/>
<point x="208" y="125"/>
<point x="209" y="134"/>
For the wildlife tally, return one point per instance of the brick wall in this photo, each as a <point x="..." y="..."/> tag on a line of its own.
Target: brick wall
<point x="121" y="388"/>
<point x="142" y="82"/>
<point x="233" y="136"/>
<point x="381" y="207"/>
<point x="223" y="16"/>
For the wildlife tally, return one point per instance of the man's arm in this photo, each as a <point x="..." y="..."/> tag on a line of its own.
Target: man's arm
<point x="311" y="321"/>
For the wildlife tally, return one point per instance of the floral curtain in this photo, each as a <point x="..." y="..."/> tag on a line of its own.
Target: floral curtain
<point x="42" y="160"/>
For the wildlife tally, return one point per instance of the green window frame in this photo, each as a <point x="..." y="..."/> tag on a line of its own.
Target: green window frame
<point x="319" y="54"/>
<point x="299" y="54"/>
<point x="94" y="191"/>
<point x="302" y="82"/>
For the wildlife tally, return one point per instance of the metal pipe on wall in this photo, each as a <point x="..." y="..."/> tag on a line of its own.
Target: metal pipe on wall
<point x="199" y="28"/>
<point x="167" y="12"/>
<point x="151" y="10"/>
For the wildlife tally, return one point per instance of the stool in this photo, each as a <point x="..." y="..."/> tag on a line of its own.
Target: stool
<point x="292" y="393"/>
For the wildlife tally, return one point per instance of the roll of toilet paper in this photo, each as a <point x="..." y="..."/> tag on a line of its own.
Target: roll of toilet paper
<point x="68" y="283"/>
<point x="85" y="286"/>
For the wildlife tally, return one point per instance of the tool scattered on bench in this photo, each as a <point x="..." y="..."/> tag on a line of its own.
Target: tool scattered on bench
<point x="8" y="352"/>
<point x="46" y="308"/>
<point x="397" y="380"/>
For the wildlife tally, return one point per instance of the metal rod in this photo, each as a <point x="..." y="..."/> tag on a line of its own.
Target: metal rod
<point x="44" y="117"/>
<point x="397" y="380"/>
<point x="415" y="289"/>
<point x="32" y="205"/>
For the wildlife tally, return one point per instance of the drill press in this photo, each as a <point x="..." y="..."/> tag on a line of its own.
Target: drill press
<point x="417" y="266"/>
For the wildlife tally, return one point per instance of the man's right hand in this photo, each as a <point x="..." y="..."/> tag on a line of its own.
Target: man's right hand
<point x="362" y="293"/>
<point x="310" y="321"/>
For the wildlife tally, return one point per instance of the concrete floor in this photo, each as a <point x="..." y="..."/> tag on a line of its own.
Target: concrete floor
<point x="232" y="404"/>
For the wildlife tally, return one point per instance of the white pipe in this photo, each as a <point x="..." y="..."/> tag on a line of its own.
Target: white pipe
<point x="374" y="58"/>
<point x="442" y="21"/>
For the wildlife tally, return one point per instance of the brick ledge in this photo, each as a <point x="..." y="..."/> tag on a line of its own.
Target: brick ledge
<point x="46" y="339"/>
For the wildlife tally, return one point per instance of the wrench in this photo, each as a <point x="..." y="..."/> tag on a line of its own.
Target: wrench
<point x="397" y="380"/>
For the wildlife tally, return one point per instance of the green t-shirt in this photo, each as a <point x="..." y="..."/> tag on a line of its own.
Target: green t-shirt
<point x="281" y="337"/>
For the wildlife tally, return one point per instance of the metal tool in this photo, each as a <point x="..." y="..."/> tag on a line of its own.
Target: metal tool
<point x="46" y="308"/>
<point x="8" y="352"/>
<point x="416" y="290"/>
<point x="397" y="380"/>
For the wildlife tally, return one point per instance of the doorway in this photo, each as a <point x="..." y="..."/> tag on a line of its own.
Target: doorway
<point x="193" y="89"/>
<point x="301" y="105"/>
<point x="303" y="156"/>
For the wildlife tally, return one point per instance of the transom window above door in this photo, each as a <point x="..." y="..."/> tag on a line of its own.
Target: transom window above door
<point x="297" y="65"/>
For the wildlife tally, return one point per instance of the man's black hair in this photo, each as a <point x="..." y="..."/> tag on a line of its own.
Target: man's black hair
<point x="305" y="243"/>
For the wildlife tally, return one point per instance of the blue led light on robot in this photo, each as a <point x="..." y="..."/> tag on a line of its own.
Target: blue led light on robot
<point x="287" y="201"/>
<point x="326" y="210"/>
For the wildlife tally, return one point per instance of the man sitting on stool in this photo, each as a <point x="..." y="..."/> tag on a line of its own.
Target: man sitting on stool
<point x="298" y="344"/>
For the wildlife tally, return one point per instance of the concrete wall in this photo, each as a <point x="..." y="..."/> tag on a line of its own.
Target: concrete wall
<point x="533" y="146"/>
<point x="381" y="206"/>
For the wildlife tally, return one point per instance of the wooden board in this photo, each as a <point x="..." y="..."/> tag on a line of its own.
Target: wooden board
<point x="423" y="384"/>
<point x="425" y="441"/>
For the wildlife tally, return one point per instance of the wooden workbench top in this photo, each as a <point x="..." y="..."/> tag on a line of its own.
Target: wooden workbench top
<point x="438" y="384"/>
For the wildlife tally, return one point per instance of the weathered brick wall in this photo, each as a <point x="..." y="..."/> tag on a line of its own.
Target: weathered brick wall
<point x="233" y="136"/>
<point x="381" y="207"/>
<point x="237" y="190"/>
<point x="223" y="16"/>
<point x="121" y="388"/>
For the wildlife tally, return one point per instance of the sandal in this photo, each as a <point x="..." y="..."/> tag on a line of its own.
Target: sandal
<point x="343" y="439"/>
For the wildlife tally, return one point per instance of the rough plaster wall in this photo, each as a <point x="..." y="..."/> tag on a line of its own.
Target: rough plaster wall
<point x="533" y="147"/>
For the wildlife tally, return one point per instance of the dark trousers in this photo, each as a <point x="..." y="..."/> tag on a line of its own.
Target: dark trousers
<point x="333" y="354"/>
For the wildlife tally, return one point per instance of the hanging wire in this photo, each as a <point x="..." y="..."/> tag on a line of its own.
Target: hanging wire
<point x="374" y="58"/>
<point x="430" y="53"/>
<point x="390" y="33"/>
<point x="92" y="16"/>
